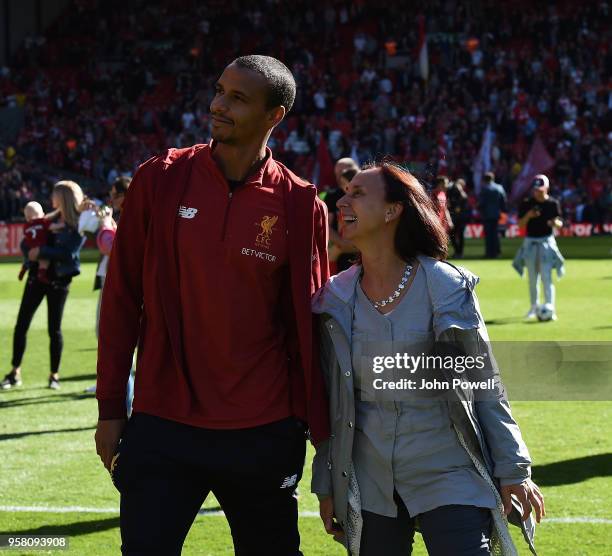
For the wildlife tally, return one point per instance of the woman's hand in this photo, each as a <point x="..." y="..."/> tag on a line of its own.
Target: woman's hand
<point x="326" y="511"/>
<point x="87" y="204"/>
<point x="33" y="253"/>
<point x="528" y="494"/>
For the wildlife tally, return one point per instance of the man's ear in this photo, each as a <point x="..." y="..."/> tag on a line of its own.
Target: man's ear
<point x="276" y="115"/>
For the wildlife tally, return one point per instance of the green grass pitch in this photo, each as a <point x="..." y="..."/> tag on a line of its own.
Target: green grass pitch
<point x="48" y="457"/>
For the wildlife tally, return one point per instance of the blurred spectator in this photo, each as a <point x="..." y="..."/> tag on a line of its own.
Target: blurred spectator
<point x="441" y="202"/>
<point x="459" y="208"/>
<point x="491" y="203"/>
<point x="97" y="101"/>
<point x="341" y="252"/>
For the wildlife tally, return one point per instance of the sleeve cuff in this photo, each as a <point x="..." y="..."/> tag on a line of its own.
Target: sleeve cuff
<point x="321" y="482"/>
<point x="112" y="409"/>
<point x="512" y="481"/>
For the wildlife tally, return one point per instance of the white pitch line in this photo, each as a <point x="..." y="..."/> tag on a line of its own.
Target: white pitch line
<point x="211" y="512"/>
<point x="577" y="520"/>
<point x="59" y="509"/>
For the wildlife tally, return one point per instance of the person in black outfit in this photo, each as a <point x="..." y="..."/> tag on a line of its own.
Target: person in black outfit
<point x="540" y="214"/>
<point x="63" y="253"/>
<point x="459" y="209"/>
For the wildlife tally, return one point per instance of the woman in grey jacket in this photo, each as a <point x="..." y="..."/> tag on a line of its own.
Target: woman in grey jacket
<point x="399" y="458"/>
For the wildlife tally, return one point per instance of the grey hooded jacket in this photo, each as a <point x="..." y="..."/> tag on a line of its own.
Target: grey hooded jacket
<point x="488" y="429"/>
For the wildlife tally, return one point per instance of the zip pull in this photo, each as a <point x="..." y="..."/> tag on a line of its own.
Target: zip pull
<point x="227" y="211"/>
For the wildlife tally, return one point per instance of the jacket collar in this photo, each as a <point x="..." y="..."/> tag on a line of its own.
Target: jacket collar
<point x="339" y="290"/>
<point x="256" y="179"/>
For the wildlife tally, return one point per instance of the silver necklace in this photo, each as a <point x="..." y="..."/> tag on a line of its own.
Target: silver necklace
<point x="393" y="297"/>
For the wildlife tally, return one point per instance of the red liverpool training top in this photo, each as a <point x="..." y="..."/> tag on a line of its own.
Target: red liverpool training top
<point x="214" y="286"/>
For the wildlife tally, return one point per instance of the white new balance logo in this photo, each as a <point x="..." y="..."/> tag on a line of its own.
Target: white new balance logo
<point x="187" y="212"/>
<point x="289" y="481"/>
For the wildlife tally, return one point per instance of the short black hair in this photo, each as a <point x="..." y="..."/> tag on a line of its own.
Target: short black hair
<point x="441" y="180"/>
<point x="349" y="174"/>
<point x="281" y="83"/>
<point x="121" y="184"/>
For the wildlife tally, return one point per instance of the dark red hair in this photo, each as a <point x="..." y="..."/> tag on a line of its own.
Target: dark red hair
<point x="419" y="231"/>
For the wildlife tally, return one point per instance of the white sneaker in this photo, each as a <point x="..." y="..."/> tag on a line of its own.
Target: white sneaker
<point x="11" y="380"/>
<point x="91" y="389"/>
<point x="531" y="314"/>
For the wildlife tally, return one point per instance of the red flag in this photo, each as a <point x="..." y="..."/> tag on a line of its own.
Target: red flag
<point x="537" y="162"/>
<point x="482" y="162"/>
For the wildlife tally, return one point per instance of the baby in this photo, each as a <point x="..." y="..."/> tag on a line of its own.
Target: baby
<point x="36" y="234"/>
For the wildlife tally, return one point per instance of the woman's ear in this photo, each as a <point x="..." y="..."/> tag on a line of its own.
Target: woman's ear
<point x="393" y="211"/>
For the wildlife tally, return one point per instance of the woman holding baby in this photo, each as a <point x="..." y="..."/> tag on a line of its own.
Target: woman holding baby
<point x="50" y="268"/>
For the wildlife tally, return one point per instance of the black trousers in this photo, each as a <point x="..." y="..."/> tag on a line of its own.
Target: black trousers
<point x="33" y="294"/>
<point x="165" y="470"/>
<point x="448" y="530"/>
<point x="457" y="238"/>
<point x="492" y="244"/>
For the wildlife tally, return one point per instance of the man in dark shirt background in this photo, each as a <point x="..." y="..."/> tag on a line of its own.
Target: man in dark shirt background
<point x="540" y="214"/>
<point x="491" y="203"/>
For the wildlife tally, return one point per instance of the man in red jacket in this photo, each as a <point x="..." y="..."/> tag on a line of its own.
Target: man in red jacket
<point x="217" y="254"/>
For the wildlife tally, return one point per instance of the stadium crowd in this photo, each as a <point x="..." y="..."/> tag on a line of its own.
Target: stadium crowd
<point x="112" y="83"/>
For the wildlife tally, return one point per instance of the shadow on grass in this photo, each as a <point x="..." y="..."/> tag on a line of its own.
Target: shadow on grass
<point x="507" y="320"/>
<point x="572" y="471"/>
<point x="51" y="398"/>
<point x="74" y="378"/>
<point x="14" y="435"/>
<point x="72" y="529"/>
<point x="211" y="510"/>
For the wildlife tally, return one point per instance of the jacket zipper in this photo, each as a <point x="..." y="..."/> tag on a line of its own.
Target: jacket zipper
<point x="226" y="217"/>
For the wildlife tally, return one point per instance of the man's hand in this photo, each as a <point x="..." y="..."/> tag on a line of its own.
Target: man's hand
<point x="326" y="511"/>
<point x="528" y="495"/>
<point x="108" y="434"/>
